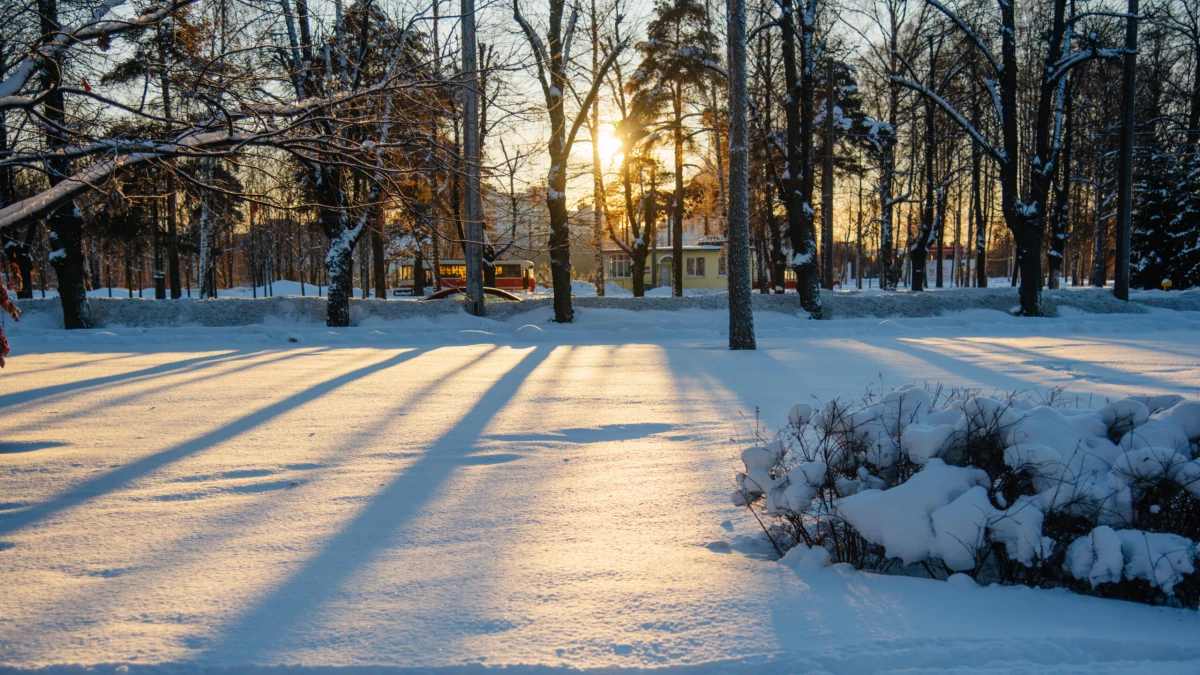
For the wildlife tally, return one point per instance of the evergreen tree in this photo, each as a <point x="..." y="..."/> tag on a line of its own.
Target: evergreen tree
<point x="1166" y="226"/>
<point x="677" y="59"/>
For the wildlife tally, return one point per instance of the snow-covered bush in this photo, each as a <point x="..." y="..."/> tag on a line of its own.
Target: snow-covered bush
<point x="1011" y="489"/>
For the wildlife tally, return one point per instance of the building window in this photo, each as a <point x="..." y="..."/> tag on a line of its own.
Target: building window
<point x="695" y="267"/>
<point x="721" y="263"/>
<point x="620" y="267"/>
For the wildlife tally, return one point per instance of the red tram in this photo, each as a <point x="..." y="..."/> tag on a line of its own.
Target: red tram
<point x="511" y="275"/>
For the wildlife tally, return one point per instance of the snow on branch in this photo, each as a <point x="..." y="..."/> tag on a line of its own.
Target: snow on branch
<point x="970" y="33"/>
<point x="1064" y="65"/>
<point x="540" y="56"/>
<point x="962" y="122"/>
<point x="46" y="201"/>
<point x="990" y="85"/>
<point x="11" y="86"/>
<point x="570" y="34"/>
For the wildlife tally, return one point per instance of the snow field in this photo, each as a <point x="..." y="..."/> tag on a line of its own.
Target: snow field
<point x="449" y="494"/>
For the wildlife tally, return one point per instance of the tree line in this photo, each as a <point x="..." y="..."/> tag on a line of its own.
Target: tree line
<point x="295" y="136"/>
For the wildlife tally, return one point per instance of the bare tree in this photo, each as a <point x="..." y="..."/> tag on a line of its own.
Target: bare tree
<point x="1024" y="210"/>
<point x="551" y="58"/>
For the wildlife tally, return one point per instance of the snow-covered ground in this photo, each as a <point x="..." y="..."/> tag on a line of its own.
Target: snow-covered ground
<point x="447" y="494"/>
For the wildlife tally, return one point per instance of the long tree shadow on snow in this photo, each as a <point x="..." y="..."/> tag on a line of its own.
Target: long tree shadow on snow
<point x="994" y="378"/>
<point x="601" y="434"/>
<point x="223" y="538"/>
<point x="20" y="397"/>
<point x="122" y="477"/>
<point x="1088" y="371"/>
<point x="278" y="616"/>
<point x="14" y="447"/>
<point x="78" y="412"/>
<point x="762" y="382"/>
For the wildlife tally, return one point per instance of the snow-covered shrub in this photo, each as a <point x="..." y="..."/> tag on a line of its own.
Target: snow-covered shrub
<point x="1011" y="489"/>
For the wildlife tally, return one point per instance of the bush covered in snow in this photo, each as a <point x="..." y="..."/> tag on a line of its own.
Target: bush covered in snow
<point x="1011" y="489"/>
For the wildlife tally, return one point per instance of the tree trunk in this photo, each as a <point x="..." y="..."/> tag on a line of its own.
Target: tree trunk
<point x="473" y="200"/>
<point x="887" y="245"/>
<point x="678" y="206"/>
<point x="652" y="230"/>
<point x="918" y="251"/>
<point x="957" y="277"/>
<point x="160" y="281"/>
<point x="489" y="265"/>
<point x="775" y="268"/>
<point x="1193" y="132"/>
<point x="1029" y="265"/>
<point x="980" y="243"/>
<point x="799" y="183"/>
<point x="419" y="267"/>
<point x="940" y="273"/>
<point x="1099" y="243"/>
<point x="172" y="210"/>
<point x="638" y="249"/>
<point x="827" y="179"/>
<point x="741" y="314"/>
<point x="638" y="268"/>
<point x="560" y="241"/>
<point x="206" y="266"/>
<point x="1125" y="174"/>
<point x="340" y="265"/>
<point x="1059" y="220"/>
<point x="379" y="265"/>
<point x="21" y="256"/>
<point x="1025" y="223"/>
<point x="64" y="223"/>
<point x="858" y="239"/>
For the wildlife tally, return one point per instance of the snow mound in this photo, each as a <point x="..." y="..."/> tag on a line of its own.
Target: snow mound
<point x="996" y="488"/>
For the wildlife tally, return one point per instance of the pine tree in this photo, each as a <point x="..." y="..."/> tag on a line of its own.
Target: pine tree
<point x="1186" y="221"/>
<point x="677" y="58"/>
<point x="1166" y="225"/>
<point x="1152" y="242"/>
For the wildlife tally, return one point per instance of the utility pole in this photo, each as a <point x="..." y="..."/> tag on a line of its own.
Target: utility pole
<point x="1125" y="177"/>
<point x="472" y="202"/>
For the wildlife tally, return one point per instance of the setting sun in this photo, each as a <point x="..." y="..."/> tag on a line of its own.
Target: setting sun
<point x="610" y="145"/>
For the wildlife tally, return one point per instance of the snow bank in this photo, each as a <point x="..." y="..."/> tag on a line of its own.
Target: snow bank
<point x="234" y="311"/>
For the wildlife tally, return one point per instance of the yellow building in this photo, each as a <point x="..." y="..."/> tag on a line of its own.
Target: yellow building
<point x="703" y="268"/>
